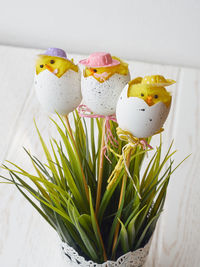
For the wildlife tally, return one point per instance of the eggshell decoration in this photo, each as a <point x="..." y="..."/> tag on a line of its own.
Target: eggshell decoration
<point x="61" y="95"/>
<point x="136" y="116"/>
<point x="103" y="79"/>
<point x="101" y="98"/>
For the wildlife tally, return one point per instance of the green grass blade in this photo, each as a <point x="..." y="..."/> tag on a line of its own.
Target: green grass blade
<point x="123" y="236"/>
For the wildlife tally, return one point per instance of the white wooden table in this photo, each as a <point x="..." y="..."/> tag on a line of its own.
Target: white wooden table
<point x="25" y="238"/>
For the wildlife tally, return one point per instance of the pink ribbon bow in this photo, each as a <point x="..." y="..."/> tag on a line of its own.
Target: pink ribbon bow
<point x="84" y="111"/>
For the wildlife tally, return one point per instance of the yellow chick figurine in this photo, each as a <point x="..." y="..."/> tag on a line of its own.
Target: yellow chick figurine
<point x="56" y="65"/>
<point x="151" y="89"/>
<point x="104" y="77"/>
<point x="143" y="105"/>
<point x="104" y="73"/>
<point x="57" y="82"/>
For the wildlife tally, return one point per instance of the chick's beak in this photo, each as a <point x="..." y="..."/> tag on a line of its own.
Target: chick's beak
<point x="91" y="71"/>
<point x="49" y="68"/>
<point x="149" y="100"/>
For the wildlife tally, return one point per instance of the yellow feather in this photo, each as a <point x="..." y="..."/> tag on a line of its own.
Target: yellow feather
<point x="151" y="89"/>
<point x="158" y="94"/>
<point x="54" y="64"/>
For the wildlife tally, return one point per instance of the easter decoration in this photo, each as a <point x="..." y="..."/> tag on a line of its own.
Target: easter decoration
<point x="57" y="82"/>
<point x="105" y="212"/>
<point x="103" y="79"/>
<point x="141" y="111"/>
<point x="58" y="87"/>
<point x="144" y="105"/>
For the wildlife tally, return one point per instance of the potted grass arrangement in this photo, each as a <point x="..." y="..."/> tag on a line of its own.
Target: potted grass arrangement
<point x="102" y="195"/>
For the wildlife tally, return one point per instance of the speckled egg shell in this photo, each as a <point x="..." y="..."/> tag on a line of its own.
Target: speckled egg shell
<point x="61" y="95"/>
<point x="134" y="115"/>
<point x="101" y="98"/>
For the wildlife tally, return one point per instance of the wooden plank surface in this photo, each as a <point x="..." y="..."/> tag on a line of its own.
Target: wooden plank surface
<point x="25" y="238"/>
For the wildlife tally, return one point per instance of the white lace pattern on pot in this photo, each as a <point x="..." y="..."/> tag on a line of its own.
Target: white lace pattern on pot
<point x="136" y="258"/>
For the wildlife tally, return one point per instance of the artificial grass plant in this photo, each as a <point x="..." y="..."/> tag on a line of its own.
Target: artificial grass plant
<point x="65" y="189"/>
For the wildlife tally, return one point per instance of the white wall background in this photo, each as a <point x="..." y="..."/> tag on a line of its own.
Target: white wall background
<point x="163" y="31"/>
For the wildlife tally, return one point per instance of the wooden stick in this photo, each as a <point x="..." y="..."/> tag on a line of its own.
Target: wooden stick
<point x="101" y="240"/>
<point x="100" y="173"/>
<point x="120" y="201"/>
<point x="74" y="143"/>
<point x="70" y="130"/>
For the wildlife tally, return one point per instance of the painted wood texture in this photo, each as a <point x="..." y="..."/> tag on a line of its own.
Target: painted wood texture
<point x="25" y="238"/>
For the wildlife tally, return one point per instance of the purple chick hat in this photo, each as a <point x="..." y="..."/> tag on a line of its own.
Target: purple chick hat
<point x="55" y="52"/>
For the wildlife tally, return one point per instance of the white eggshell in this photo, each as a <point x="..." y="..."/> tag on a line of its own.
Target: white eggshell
<point x="136" y="116"/>
<point x="101" y="98"/>
<point x="61" y="95"/>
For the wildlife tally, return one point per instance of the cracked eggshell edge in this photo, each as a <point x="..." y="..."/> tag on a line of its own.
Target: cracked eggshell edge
<point x="136" y="116"/>
<point x="60" y="95"/>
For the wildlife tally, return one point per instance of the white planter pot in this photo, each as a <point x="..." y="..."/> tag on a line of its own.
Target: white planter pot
<point x="136" y="258"/>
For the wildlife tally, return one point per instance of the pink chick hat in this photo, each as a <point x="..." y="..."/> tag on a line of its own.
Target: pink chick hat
<point x="99" y="60"/>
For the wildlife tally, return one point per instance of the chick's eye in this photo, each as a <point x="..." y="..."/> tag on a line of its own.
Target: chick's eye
<point x="142" y="94"/>
<point x="94" y="70"/>
<point x="155" y="96"/>
<point x="41" y="66"/>
<point x="52" y="61"/>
